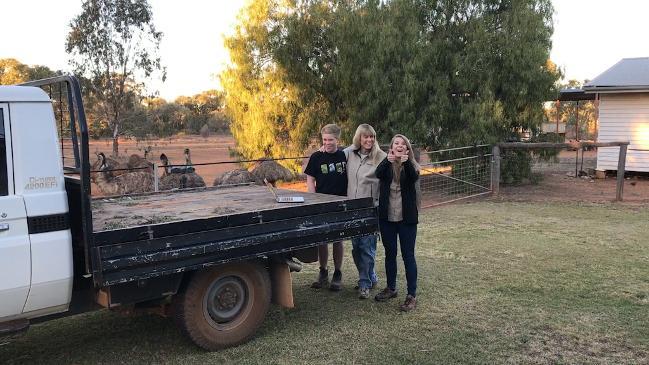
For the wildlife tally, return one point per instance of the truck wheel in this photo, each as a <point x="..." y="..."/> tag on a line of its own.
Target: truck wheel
<point x="224" y="306"/>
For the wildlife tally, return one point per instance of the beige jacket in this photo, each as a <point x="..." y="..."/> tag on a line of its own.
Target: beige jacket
<point x="361" y="173"/>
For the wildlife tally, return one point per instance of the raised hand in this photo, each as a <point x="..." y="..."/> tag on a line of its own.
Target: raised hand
<point x="391" y="156"/>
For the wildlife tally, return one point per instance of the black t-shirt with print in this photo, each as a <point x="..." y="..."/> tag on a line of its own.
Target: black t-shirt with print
<point x="329" y="171"/>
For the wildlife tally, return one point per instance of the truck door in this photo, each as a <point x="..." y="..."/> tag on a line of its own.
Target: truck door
<point x="15" y="256"/>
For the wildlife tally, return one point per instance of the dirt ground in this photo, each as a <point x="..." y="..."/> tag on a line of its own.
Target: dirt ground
<point x="559" y="183"/>
<point x="560" y="187"/>
<point x="203" y="150"/>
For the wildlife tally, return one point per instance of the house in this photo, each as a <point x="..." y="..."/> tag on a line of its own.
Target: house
<point x="623" y="94"/>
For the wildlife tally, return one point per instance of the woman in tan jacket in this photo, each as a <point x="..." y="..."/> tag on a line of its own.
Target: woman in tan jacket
<point x="363" y="156"/>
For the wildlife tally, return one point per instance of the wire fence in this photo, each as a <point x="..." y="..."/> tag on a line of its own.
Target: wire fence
<point x="547" y="174"/>
<point x="455" y="174"/>
<point x="446" y="175"/>
<point x="575" y="171"/>
<point x="581" y="162"/>
<point x="531" y="167"/>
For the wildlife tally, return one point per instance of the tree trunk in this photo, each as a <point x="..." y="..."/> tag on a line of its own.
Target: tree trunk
<point x="115" y="146"/>
<point x="116" y="141"/>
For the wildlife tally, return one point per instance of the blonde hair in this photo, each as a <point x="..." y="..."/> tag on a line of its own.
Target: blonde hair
<point x="411" y="154"/>
<point x="331" y="129"/>
<point x="376" y="154"/>
<point x="363" y="130"/>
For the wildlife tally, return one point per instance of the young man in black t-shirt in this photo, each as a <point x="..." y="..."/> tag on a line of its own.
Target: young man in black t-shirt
<point x="326" y="173"/>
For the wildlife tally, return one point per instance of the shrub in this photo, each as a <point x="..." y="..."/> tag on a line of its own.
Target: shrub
<point x="516" y="167"/>
<point x="205" y="131"/>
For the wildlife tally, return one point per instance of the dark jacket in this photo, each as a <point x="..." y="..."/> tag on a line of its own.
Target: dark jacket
<point x="408" y="179"/>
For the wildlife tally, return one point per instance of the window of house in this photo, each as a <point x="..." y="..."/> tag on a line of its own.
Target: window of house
<point x="4" y="184"/>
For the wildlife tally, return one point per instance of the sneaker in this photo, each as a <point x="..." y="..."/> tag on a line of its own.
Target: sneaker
<point x="409" y="304"/>
<point x="336" y="281"/>
<point x="363" y="293"/>
<point x="385" y="294"/>
<point x="374" y="284"/>
<point x="323" y="279"/>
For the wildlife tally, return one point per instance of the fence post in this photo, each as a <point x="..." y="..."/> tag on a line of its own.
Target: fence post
<point x="495" y="170"/>
<point x="156" y="179"/>
<point x="621" y="166"/>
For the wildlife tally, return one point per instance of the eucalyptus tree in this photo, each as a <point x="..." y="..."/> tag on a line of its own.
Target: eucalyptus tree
<point x="114" y="43"/>
<point x="445" y="72"/>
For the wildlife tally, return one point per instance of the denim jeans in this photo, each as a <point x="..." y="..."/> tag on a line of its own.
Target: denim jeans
<point x="407" y="234"/>
<point x="363" y="252"/>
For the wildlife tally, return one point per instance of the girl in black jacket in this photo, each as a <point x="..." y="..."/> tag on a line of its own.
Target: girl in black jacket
<point x="398" y="174"/>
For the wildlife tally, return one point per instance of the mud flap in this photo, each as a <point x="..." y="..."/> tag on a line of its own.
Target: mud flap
<point x="282" y="283"/>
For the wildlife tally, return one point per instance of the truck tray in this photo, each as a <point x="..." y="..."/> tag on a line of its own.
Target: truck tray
<point x="159" y="234"/>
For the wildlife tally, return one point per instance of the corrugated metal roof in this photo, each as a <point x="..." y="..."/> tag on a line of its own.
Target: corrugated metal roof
<point x="629" y="74"/>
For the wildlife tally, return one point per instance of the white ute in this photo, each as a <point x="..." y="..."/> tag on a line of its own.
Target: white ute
<point x="215" y="267"/>
<point x="35" y="268"/>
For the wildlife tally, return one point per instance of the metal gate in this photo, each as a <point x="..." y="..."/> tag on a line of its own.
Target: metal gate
<point x="455" y="174"/>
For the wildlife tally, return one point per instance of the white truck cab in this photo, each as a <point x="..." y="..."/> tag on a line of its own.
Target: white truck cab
<point x="35" y="241"/>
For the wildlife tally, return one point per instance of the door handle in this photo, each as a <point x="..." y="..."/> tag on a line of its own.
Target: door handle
<point x="4" y="227"/>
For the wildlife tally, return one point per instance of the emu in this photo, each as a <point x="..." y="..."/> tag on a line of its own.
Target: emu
<point x="181" y="177"/>
<point x="112" y="182"/>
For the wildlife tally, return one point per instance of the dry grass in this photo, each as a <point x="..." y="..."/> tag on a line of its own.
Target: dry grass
<point x="541" y="283"/>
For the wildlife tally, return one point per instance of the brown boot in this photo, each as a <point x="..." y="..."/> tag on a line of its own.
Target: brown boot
<point x="386" y="294"/>
<point x="409" y="304"/>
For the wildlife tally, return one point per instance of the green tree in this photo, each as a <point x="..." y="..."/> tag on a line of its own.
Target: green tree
<point x="168" y="119"/>
<point x="268" y="117"/>
<point x="205" y="108"/>
<point x="443" y="72"/>
<point x="114" y="43"/>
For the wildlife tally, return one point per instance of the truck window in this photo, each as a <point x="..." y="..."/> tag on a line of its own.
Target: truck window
<point x="4" y="184"/>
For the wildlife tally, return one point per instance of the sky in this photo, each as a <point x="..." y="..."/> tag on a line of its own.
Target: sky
<point x="192" y="48"/>
<point x="592" y="35"/>
<point x="589" y="36"/>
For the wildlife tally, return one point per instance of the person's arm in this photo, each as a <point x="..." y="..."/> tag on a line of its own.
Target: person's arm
<point x="411" y="175"/>
<point x="310" y="184"/>
<point x="383" y="169"/>
<point x="311" y="170"/>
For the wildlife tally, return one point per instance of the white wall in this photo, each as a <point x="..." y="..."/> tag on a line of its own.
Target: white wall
<point x="624" y="117"/>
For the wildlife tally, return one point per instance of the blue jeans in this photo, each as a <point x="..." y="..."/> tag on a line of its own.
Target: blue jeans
<point x="363" y="252"/>
<point x="407" y="234"/>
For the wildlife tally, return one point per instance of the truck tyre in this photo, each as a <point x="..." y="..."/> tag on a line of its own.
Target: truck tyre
<point x="224" y="306"/>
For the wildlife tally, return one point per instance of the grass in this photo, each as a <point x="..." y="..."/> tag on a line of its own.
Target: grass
<point x="498" y="283"/>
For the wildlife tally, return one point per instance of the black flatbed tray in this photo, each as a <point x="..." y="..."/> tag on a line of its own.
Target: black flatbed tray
<point x="164" y="233"/>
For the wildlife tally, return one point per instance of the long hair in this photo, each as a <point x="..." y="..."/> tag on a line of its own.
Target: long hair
<point x="396" y="167"/>
<point x="411" y="154"/>
<point x="367" y="130"/>
<point x="363" y="130"/>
